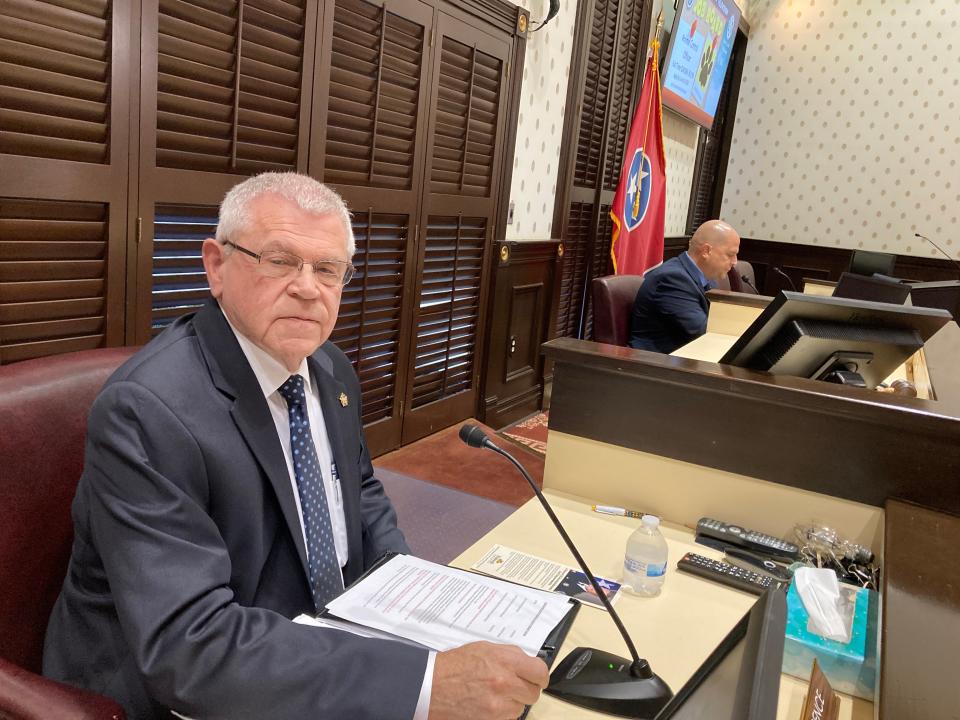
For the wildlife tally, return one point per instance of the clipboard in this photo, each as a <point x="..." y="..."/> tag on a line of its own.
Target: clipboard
<point x="548" y="650"/>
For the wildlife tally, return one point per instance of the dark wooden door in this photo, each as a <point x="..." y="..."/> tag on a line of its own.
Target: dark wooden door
<point x="456" y="226"/>
<point x="369" y="129"/>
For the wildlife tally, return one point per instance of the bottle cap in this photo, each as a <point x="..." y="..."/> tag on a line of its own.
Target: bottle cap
<point x="650" y="521"/>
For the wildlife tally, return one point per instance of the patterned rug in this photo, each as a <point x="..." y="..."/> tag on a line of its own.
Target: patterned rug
<point x="530" y="432"/>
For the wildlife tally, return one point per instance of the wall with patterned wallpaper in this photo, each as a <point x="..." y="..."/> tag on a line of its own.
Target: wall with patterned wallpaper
<point x="848" y="131"/>
<point x="540" y="123"/>
<point x="680" y="145"/>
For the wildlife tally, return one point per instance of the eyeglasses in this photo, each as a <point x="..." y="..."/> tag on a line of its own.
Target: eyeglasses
<point x="280" y="264"/>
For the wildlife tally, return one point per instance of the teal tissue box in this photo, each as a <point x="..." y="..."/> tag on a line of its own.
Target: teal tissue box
<point x="851" y="668"/>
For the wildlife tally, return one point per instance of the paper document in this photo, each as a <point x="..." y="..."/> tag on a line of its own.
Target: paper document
<point x="444" y="608"/>
<point x="509" y="564"/>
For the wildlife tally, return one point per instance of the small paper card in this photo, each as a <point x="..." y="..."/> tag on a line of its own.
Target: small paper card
<point x="518" y="567"/>
<point x="822" y="702"/>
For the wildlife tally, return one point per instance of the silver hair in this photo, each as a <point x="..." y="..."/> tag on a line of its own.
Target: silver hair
<point x="306" y="193"/>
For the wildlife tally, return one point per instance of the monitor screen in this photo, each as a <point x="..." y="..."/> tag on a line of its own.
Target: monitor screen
<point x="701" y="43"/>
<point x="741" y="678"/>
<point x="878" y="288"/>
<point x="830" y="338"/>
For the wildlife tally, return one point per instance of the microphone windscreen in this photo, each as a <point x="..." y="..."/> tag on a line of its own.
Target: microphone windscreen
<point x="472" y="435"/>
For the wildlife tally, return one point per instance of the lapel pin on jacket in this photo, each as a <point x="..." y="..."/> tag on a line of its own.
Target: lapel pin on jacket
<point x="344" y="400"/>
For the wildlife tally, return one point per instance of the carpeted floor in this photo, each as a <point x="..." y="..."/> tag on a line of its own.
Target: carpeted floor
<point x="531" y="432"/>
<point x="443" y="459"/>
<point x="439" y="522"/>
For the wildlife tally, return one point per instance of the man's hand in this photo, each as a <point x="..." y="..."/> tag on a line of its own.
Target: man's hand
<point x="485" y="680"/>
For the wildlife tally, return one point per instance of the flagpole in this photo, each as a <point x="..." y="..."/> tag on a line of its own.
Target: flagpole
<point x="655" y="51"/>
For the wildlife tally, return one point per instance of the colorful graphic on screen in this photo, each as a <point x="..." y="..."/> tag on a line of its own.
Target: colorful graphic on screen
<point x="700" y="47"/>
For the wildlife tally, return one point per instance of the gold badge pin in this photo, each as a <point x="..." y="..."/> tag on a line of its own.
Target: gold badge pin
<point x="344" y="400"/>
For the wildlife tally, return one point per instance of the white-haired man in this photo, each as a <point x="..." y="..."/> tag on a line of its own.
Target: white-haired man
<point x="227" y="488"/>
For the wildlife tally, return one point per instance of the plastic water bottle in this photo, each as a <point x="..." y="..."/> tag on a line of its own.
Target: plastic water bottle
<point x="645" y="561"/>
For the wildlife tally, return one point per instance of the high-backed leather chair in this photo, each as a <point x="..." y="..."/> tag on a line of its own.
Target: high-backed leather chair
<point x="613" y="297"/>
<point x="732" y="280"/>
<point x="43" y="423"/>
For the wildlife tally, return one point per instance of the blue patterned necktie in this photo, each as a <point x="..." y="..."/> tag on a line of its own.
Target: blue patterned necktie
<point x="324" y="568"/>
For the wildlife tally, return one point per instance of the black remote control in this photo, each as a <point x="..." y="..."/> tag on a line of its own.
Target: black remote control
<point x="749" y="539"/>
<point x="732" y="575"/>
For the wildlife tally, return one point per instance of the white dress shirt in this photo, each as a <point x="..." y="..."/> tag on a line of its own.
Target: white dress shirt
<point x="271" y="374"/>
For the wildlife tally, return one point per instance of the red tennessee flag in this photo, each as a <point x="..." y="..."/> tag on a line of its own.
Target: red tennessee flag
<point x="639" y="206"/>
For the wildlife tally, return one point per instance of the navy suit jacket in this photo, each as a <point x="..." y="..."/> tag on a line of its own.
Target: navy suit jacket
<point x="670" y="309"/>
<point x="188" y="560"/>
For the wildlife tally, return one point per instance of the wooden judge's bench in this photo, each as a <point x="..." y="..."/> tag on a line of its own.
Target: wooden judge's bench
<point x="684" y="437"/>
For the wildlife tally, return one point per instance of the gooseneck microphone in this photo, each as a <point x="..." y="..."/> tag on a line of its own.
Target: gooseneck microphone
<point x="942" y="251"/>
<point x="589" y="677"/>
<point x="780" y="272"/>
<point x="745" y="279"/>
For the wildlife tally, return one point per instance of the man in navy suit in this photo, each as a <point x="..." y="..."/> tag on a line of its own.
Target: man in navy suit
<point x="227" y="488"/>
<point x="671" y="305"/>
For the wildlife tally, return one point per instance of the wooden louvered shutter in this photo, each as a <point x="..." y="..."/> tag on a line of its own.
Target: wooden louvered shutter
<point x="596" y="88"/>
<point x="179" y="282"/>
<point x="222" y="97"/>
<point x="612" y="46"/>
<point x="369" y="141"/>
<point x="630" y="55"/>
<point x="598" y="266"/>
<point x="456" y="225"/>
<point x="573" y="270"/>
<point x="64" y="104"/>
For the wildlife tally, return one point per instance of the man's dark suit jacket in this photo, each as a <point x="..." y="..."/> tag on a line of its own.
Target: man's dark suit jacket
<point x="188" y="560"/>
<point x="671" y="307"/>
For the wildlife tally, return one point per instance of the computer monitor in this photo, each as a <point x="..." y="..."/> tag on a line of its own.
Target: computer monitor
<point x="835" y="339"/>
<point x="741" y="678"/>
<point x="878" y="288"/>
<point x="866" y="262"/>
<point x="941" y="294"/>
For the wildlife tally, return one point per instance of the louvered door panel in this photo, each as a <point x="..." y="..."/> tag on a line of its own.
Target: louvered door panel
<point x="446" y="331"/>
<point x="195" y="83"/>
<point x="64" y="107"/>
<point x="228" y="84"/>
<point x="53" y="277"/>
<point x="271" y="56"/>
<point x="55" y="69"/>
<point x="374" y="96"/>
<point x="629" y="48"/>
<point x="573" y="270"/>
<point x="464" y="158"/>
<point x="179" y="282"/>
<point x="599" y="71"/>
<point x="466" y="121"/>
<point x="223" y="101"/>
<point x="369" y="324"/>
<point x="598" y="266"/>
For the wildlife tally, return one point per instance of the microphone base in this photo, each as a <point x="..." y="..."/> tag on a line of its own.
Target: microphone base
<point x="602" y="681"/>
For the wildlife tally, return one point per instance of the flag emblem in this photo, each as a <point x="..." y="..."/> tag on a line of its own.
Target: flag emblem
<point x="637" y="197"/>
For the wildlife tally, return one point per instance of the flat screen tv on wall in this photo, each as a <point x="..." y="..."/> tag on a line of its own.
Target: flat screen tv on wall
<point x="701" y="42"/>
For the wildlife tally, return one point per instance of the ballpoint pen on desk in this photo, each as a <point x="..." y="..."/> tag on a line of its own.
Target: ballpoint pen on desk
<point x="609" y="510"/>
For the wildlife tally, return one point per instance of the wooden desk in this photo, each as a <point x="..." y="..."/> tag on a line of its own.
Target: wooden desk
<point x="684" y="438"/>
<point x="674" y="631"/>
<point x="921" y="615"/>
